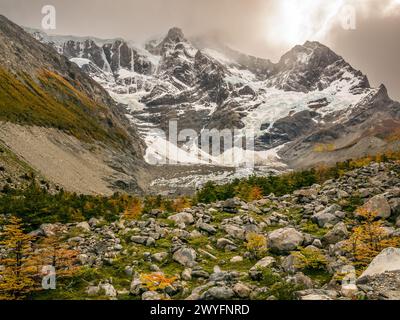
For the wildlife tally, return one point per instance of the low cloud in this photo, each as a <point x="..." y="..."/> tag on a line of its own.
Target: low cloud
<point x="265" y="28"/>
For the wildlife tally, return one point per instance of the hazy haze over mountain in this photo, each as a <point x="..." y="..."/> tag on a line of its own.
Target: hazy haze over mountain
<point x="265" y="28"/>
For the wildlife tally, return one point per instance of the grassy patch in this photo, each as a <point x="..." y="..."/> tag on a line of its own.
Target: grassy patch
<point x="322" y="277"/>
<point x="277" y="286"/>
<point x="52" y="101"/>
<point x="313" y="229"/>
<point x="352" y="203"/>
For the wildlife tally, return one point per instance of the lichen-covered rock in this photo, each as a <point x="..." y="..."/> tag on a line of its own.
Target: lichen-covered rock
<point x="84" y="226"/>
<point x="241" y="290"/>
<point x="285" y="239"/>
<point x="338" y="233"/>
<point x="185" y="257"/>
<point x="235" y="231"/>
<point x="325" y="217"/>
<point x="182" y="217"/>
<point x="264" y="263"/>
<point x="379" y="205"/>
<point x="218" y="293"/>
<point x="387" y="260"/>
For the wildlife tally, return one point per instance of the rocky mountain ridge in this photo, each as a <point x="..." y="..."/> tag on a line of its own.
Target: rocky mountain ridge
<point x="311" y="97"/>
<point x="45" y="94"/>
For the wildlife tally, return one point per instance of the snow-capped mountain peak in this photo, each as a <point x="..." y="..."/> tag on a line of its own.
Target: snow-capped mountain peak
<point x="207" y="87"/>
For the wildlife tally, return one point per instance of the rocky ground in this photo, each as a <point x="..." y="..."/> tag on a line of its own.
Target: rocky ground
<point x="204" y="247"/>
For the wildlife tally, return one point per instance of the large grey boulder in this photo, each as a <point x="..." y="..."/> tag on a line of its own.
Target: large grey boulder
<point x="218" y="293"/>
<point x="48" y="229"/>
<point x="301" y="279"/>
<point x="152" y="296"/>
<point x="379" y="205"/>
<point x="264" y="263"/>
<point x="338" y="233"/>
<point x="207" y="228"/>
<point x="84" y="226"/>
<point x="306" y="193"/>
<point x="387" y="260"/>
<point x="285" y="239"/>
<point x="159" y="256"/>
<point x="222" y="243"/>
<point x="147" y="241"/>
<point x="325" y="217"/>
<point x="316" y="294"/>
<point x="182" y="217"/>
<point x="231" y="205"/>
<point x="185" y="257"/>
<point x="108" y="290"/>
<point x="139" y="239"/>
<point x="235" y="231"/>
<point x="241" y="290"/>
<point x="196" y="293"/>
<point x="136" y="286"/>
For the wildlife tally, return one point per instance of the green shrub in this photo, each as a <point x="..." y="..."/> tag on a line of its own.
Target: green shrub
<point x="310" y="259"/>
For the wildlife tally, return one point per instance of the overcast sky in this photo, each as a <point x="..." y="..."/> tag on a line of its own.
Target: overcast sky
<point x="265" y="28"/>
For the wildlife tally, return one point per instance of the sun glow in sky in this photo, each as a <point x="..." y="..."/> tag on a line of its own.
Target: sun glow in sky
<point x="296" y="21"/>
<point x="393" y="8"/>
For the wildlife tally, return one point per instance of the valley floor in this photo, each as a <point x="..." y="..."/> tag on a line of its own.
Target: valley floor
<point x="296" y="246"/>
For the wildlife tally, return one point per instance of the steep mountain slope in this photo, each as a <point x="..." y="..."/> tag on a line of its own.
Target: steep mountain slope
<point x="311" y="97"/>
<point x="41" y="89"/>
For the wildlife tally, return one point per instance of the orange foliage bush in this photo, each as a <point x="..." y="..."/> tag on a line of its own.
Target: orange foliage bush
<point x="17" y="277"/>
<point x="180" y="204"/>
<point x="134" y="209"/>
<point x="156" y="281"/>
<point x="368" y="238"/>
<point x="256" y="193"/>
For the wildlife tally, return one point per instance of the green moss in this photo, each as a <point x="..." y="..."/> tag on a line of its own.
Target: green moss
<point x="294" y="214"/>
<point x="167" y="222"/>
<point x="218" y="217"/>
<point x="277" y="286"/>
<point x="352" y="203"/>
<point x="200" y="242"/>
<point x="171" y="268"/>
<point x="322" y="277"/>
<point x="273" y="227"/>
<point x="164" y="243"/>
<point x="243" y="266"/>
<point x="311" y="258"/>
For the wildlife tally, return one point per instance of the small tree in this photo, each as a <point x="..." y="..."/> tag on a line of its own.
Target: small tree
<point x="180" y="204"/>
<point x="256" y="193"/>
<point x="53" y="252"/>
<point x="256" y="244"/>
<point x="17" y="274"/>
<point x="134" y="209"/>
<point x="310" y="259"/>
<point x="369" y="238"/>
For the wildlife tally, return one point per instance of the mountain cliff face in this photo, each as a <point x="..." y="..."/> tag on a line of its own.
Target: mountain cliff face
<point x="42" y="90"/>
<point x="311" y="99"/>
